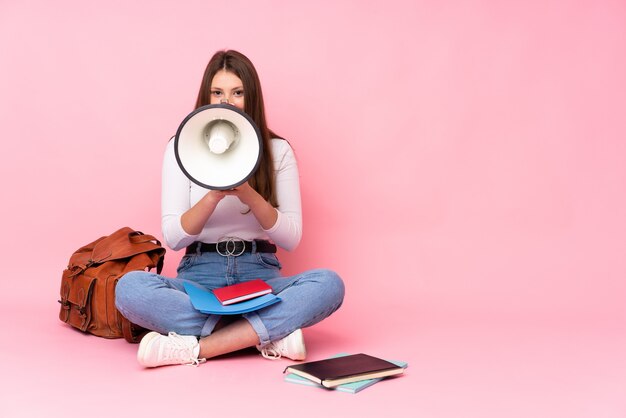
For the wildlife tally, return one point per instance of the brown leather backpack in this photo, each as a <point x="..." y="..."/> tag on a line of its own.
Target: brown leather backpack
<point x="88" y="283"/>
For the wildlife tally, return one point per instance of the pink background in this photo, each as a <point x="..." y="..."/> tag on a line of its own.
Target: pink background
<point x="463" y="167"/>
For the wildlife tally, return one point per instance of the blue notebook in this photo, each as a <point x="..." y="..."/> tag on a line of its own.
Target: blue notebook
<point x="353" y="387"/>
<point x="205" y="301"/>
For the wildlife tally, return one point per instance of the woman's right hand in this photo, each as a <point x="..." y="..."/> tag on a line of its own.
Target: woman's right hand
<point x="214" y="197"/>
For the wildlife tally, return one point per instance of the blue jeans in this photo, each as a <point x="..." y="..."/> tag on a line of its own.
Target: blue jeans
<point x="160" y="304"/>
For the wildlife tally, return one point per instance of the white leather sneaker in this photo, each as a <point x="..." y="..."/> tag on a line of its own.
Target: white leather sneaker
<point x="161" y="350"/>
<point x="292" y="346"/>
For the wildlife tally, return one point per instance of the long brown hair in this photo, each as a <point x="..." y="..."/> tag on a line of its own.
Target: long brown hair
<point x="263" y="179"/>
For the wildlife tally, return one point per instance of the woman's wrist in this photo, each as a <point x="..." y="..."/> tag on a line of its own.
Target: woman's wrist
<point x="197" y="216"/>
<point x="263" y="211"/>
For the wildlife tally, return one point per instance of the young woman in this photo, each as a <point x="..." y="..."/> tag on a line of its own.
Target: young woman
<point x="257" y="216"/>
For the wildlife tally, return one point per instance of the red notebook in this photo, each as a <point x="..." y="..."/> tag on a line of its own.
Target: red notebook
<point x="242" y="291"/>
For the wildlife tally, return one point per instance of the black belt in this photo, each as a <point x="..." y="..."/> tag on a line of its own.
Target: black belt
<point x="232" y="246"/>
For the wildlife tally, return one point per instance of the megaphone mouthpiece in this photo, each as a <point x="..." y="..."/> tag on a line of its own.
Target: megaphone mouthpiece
<point x="220" y="136"/>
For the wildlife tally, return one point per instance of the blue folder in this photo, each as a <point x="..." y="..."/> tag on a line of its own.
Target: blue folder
<point x="205" y="301"/>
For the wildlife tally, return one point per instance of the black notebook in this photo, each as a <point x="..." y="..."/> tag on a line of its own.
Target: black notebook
<point x="339" y="370"/>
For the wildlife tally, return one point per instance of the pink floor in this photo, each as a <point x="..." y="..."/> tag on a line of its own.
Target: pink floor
<point x="463" y="167"/>
<point x="463" y="367"/>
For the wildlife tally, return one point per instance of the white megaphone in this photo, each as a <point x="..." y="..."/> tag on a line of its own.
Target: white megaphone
<point x="218" y="146"/>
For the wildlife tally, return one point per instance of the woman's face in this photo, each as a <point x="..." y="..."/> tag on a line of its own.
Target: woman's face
<point x="226" y="87"/>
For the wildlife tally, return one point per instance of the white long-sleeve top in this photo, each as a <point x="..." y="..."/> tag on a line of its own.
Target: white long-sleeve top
<point x="232" y="218"/>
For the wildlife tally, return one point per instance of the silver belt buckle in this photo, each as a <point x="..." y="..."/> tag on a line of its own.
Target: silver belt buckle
<point x="229" y="246"/>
